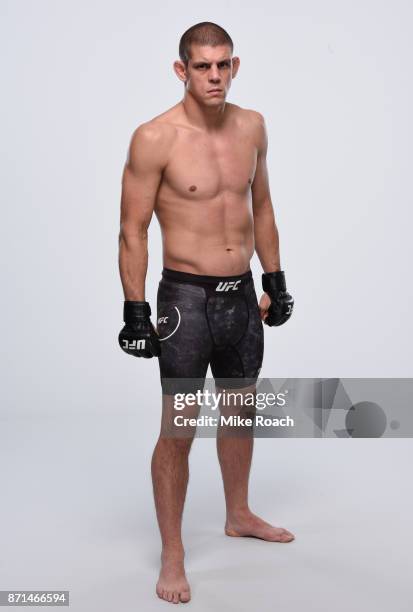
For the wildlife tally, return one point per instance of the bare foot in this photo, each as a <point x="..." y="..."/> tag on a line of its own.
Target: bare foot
<point x="172" y="585"/>
<point x="249" y="524"/>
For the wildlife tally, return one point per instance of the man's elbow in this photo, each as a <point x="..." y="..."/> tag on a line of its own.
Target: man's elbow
<point x="133" y="235"/>
<point x="263" y="208"/>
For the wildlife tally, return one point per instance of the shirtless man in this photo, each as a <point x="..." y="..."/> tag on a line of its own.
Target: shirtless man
<point x="201" y="167"/>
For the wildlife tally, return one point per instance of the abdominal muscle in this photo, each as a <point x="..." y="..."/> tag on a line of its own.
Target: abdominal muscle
<point x="214" y="238"/>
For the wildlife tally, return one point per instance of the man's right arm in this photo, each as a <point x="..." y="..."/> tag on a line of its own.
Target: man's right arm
<point x="147" y="157"/>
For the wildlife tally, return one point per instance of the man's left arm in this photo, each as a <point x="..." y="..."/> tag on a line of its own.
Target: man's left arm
<point x="276" y="305"/>
<point x="265" y="229"/>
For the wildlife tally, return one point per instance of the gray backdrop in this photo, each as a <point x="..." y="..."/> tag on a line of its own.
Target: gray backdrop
<point x="79" y="418"/>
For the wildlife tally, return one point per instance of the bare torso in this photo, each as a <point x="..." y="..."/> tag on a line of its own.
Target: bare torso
<point x="204" y="201"/>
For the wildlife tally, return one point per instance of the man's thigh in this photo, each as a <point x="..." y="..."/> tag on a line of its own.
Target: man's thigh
<point x="239" y="349"/>
<point x="184" y="335"/>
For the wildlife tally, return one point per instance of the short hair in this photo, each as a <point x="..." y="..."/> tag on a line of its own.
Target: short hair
<point x="204" y="33"/>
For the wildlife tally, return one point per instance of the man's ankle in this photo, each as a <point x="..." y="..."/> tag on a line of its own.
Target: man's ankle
<point x="238" y="512"/>
<point x="173" y="552"/>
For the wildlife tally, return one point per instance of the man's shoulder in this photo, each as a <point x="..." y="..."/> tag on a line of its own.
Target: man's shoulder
<point x="154" y="132"/>
<point x="152" y="141"/>
<point x="247" y="116"/>
<point x="252" y="123"/>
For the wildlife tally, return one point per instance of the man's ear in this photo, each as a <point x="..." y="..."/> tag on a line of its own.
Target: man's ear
<point x="235" y="66"/>
<point x="180" y="70"/>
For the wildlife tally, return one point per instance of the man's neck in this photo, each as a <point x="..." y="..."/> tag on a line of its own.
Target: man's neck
<point x="203" y="117"/>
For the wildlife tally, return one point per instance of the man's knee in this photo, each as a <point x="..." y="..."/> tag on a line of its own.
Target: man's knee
<point x="175" y="445"/>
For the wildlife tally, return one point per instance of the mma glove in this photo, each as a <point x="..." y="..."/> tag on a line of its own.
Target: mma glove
<point x="281" y="307"/>
<point x="138" y="337"/>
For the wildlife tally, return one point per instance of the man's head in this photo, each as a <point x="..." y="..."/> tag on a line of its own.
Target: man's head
<point x="206" y="62"/>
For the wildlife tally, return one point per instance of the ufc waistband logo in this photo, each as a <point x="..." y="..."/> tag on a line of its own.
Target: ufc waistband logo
<point x="162" y="320"/>
<point x="227" y="285"/>
<point x="134" y="345"/>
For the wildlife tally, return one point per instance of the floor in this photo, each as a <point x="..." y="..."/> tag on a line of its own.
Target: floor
<point x="77" y="514"/>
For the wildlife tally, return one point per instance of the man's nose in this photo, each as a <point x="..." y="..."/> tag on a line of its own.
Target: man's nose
<point x="214" y="75"/>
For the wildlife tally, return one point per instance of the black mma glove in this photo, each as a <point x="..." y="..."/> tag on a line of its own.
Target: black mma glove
<point x="138" y="337"/>
<point x="281" y="307"/>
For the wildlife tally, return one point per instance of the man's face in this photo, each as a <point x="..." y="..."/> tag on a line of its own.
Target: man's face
<point x="209" y="73"/>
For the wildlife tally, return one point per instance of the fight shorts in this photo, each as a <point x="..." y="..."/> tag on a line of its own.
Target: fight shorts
<point x="208" y="320"/>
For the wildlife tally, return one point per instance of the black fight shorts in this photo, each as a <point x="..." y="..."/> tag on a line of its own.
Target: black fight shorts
<point x="208" y="320"/>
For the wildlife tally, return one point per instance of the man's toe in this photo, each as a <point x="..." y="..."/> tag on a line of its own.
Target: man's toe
<point x="159" y="592"/>
<point x="185" y="596"/>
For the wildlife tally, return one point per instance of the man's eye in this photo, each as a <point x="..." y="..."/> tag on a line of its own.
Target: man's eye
<point x="202" y="66"/>
<point x="224" y="65"/>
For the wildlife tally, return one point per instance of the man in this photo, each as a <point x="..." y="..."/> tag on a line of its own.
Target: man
<point x="201" y="167"/>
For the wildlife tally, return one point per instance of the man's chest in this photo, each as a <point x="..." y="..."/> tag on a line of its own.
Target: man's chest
<point x="204" y="167"/>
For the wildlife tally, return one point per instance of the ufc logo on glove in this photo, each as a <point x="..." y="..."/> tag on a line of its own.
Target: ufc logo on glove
<point x="134" y="345"/>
